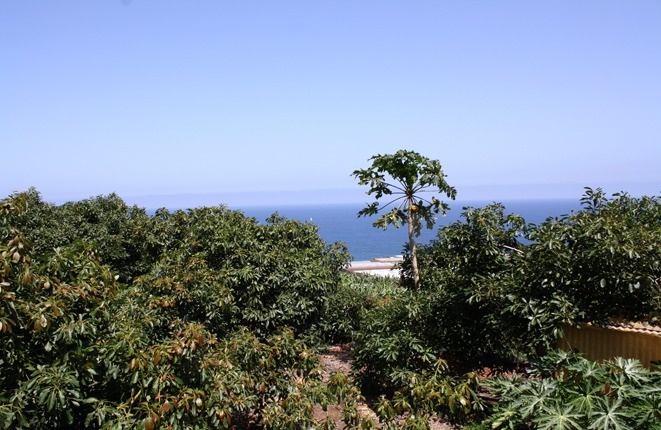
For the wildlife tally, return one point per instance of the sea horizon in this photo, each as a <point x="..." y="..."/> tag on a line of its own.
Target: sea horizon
<point x="340" y="222"/>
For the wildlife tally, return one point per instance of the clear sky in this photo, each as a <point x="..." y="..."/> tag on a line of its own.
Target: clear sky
<point x="278" y="101"/>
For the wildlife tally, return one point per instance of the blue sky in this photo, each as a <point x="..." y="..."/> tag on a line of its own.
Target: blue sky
<point x="178" y="102"/>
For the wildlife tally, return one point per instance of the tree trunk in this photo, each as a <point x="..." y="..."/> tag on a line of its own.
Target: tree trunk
<point x="414" y="257"/>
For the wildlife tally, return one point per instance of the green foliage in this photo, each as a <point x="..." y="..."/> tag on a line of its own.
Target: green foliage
<point x="110" y="318"/>
<point x="605" y="259"/>
<point x="346" y="306"/>
<point x="197" y="341"/>
<point x="468" y="274"/>
<point x="394" y="358"/>
<point x="230" y="269"/>
<point x="484" y="242"/>
<point x="404" y="176"/>
<point x="599" y="263"/>
<point x="495" y="292"/>
<point x="567" y="391"/>
<point x="432" y="392"/>
<point x="121" y="234"/>
<point x="382" y="345"/>
<point x="54" y="308"/>
<point x="389" y="342"/>
<point x="496" y="298"/>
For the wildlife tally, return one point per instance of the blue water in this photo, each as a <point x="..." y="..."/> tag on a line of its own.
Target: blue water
<point x="340" y="223"/>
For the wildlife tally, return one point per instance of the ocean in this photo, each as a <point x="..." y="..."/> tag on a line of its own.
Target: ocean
<point x="340" y="223"/>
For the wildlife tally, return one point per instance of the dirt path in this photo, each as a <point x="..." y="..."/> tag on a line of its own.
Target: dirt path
<point x="335" y="359"/>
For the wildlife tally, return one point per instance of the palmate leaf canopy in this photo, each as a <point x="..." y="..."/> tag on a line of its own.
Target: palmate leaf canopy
<point x="403" y="176"/>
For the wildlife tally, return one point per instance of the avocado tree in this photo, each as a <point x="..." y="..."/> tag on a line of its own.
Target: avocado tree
<point x="403" y="177"/>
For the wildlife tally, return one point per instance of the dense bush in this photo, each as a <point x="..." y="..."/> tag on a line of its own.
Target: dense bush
<point x="200" y="340"/>
<point x="121" y="235"/>
<point x="111" y="318"/>
<point x="390" y="342"/>
<point x="348" y="303"/>
<point x="266" y="276"/>
<point x="230" y="269"/>
<point x="495" y="292"/>
<point x="605" y="259"/>
<point x="394" y="359"/>
<point x="597" y="264"/>
<point x="500" y="290"/>
<point x="469" y="272"/>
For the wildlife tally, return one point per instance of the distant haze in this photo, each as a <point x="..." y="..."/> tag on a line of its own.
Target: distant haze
<point x="358" y="195"/>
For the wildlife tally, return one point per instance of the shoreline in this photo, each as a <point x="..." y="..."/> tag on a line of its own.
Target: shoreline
<point x="381" y="266"/>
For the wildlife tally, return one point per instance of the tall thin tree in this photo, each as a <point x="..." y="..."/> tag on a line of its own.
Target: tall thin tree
<point x="404" y="176"/>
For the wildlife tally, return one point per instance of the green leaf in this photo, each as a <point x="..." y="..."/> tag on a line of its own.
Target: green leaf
<point x="558" y="417"/>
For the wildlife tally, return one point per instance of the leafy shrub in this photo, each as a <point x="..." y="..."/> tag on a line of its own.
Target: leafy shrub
<point x="120" y="234"/>
<point x="605" y="259"/>
<point x="262" y="276"/>
<point x="491" y="296"/>
<point x="177" y="347"/>
<point x="192" y="331"/>
<point x="389" y="342"/>
<point x="430" y="393"/>
<point x="394" y="359"/>
<point x="469" y="273"/>
<point x="599" y="263"/>
<point x="265" y="276"/>
<point x="566" y="391"/>
<point x="497" y="298"/>
<point x="53" y="310"/>
<point x="485" y="241"/>
<point x="347" y="304"/>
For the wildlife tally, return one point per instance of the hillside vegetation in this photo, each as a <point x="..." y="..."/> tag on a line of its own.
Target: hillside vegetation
<point x="111" y="318"/>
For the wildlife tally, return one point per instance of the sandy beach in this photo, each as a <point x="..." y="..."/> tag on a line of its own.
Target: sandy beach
<point x="383" y="266"/>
